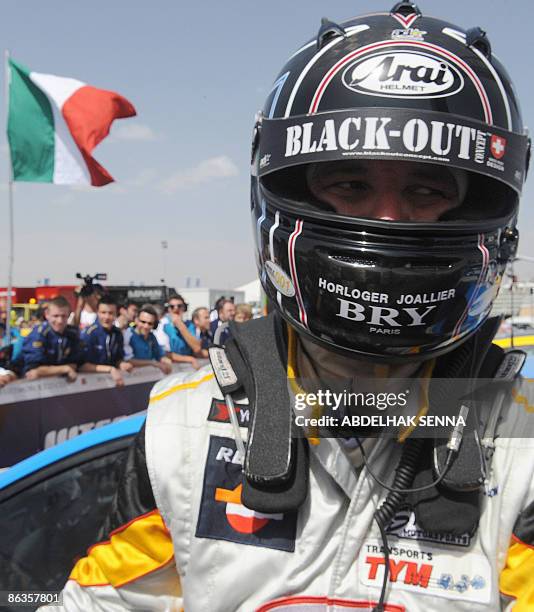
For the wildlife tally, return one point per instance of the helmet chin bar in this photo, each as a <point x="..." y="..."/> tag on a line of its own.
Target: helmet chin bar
<point x="378" y="290"/>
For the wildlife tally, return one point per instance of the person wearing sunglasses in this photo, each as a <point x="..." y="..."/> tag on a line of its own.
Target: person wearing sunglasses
<point x="141" y="347"/>
<point x="183" y="343"/>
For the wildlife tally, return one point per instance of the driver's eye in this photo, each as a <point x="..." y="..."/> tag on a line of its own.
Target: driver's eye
<point x="348" y="185"/>
<point x="423" y="190"/>
<point x="351" y="185"/>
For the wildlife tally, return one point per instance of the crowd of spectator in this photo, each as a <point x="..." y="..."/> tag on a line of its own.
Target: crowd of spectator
<point x="101" y="336"/>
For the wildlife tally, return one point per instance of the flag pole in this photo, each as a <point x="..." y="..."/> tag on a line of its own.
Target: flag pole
<point x="10" y="198"/>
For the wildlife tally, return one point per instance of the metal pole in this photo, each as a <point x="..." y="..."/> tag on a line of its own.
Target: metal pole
<point x="11" y="250"/>
<point x="512" y="305"/>
<point x="164" y="246"/>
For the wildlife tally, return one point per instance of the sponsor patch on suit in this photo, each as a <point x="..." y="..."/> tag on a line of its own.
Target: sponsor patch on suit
<point x="428" y="569"/>
<point x="222" y="516"/>
<point x="404" y="525"/>
<point x="220" y="414"/>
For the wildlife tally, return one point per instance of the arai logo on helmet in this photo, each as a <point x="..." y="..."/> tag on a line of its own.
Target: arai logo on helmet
<point x="401" y="74"/>
<point x="279" y="279"/>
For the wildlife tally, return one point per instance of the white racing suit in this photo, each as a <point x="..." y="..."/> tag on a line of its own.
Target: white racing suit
<point x="178" y="537"/>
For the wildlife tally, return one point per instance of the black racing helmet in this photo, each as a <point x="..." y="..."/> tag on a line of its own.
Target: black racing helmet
<point x="388" y="86"/>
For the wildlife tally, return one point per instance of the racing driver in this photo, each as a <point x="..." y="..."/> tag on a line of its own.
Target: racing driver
<point x="387" y="165"/>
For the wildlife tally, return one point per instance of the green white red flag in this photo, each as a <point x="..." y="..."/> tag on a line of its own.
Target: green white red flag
<point x="54" y="123"/>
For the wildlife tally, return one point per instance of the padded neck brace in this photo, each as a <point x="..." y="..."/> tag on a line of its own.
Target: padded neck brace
<point x="275" y="476"/>
<point x="276" y="463"/>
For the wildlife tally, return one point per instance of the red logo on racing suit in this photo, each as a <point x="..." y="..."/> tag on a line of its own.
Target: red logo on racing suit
<point x="220" y="414"/>
<point x="418" y="575"/>
<point x="240" y="517"/>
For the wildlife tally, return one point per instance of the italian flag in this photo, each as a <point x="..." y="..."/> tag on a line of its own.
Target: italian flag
<point x="54" y="123"/>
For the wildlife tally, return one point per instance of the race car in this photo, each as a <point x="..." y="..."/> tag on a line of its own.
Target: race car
<point x="53" y="504"/>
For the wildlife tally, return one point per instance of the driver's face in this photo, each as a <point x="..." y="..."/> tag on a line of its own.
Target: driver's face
<point x="386" y="190"/>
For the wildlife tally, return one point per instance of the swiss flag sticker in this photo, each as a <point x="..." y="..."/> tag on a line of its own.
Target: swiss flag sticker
<point x="497" y="146"/>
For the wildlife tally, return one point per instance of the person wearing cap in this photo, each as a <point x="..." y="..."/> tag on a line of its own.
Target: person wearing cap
<point x="365" y="446"/>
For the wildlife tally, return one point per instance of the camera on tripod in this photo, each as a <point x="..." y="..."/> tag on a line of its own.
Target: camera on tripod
<point x="89" y="286"/>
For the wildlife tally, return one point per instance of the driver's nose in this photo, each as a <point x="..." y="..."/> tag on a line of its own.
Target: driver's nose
<point x="388" y="205"/>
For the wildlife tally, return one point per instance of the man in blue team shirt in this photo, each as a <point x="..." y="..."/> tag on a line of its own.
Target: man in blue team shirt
<point x="183" y="342"/>
<point x="103" y="344"/>
<point x="53" y="347"/>
<point x="141" y="347"/>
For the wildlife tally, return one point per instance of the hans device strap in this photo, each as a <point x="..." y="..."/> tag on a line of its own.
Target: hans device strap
<point x="275" y="474"/>
<point x="453" y="506"/>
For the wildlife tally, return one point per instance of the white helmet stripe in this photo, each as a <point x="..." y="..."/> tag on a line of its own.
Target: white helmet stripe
<point x="499" y="84"/>
<point x="271" y="246"/>
<point x="308" y="66"/>
<point x="460" y="37"/>
<point x="293" y="269"/>
<point x="271" y="234"/>
<point x="405" y="22"/>
<point x="278" y="87"/>
<point x="485" y="262"/>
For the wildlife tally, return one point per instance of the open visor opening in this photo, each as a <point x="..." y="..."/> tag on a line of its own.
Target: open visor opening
<point x="484" y="200"/>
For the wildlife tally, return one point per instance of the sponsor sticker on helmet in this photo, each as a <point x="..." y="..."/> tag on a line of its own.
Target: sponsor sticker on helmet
<point x="399" y="74"/>
<point x="264" y="161"/>
<point x="408" y="34"/>
<point x="382" y="312"/>
<point x="279" y="279"/>
<point x="497" y="146"/>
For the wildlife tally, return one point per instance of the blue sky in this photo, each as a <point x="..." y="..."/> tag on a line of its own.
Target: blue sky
<point x="196" y="72"/>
